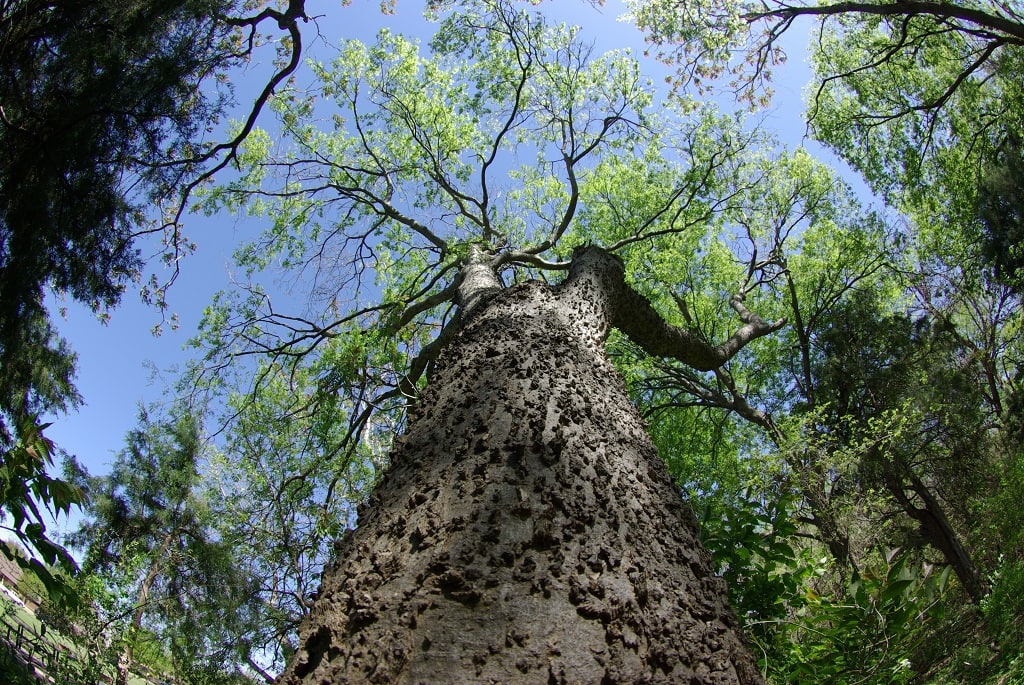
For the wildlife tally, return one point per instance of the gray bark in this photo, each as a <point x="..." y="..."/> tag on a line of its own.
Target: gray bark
<point x="526" y="531"/>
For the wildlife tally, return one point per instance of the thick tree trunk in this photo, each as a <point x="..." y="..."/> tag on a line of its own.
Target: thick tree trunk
<point x="526" y="531"/>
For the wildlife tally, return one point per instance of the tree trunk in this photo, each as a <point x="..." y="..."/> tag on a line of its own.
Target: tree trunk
<point x="526" y="531"/>
<point x="822" y="514"/>
<point x="126" y="659"/>
<point x="934" y="525"/>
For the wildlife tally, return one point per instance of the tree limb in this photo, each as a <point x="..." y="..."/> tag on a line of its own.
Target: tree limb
<point x="641" y="322"/>
<point x="634" y="315"/>
<point x="1000" y="26"/>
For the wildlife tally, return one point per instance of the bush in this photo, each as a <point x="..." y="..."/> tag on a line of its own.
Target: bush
<point x="868" y="632"/>
<point x="1003" y="607"/>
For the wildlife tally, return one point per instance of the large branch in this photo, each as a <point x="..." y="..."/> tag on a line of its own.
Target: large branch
<point x="684" y="388"/>
<point x="227" y="151"/>
<point x="1001" y="26"/>
<point x="634" y="315"/>
<point x="524" y="58"/>
<point x="286" y="21"/>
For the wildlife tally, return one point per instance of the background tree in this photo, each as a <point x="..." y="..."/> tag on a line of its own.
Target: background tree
<point x="285" y="488"/>
<point x="149" y="537"/>
<point x="106" y="112"/>
<point x="1001" y="209"/>
<point x="899" y="400"/>
<point x="701" y="39"/>
<point x="26" y="455"/>
<point x="918" y="97"/>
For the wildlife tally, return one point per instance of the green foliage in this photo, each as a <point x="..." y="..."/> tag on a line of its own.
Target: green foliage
<point x="35" y="379"/>
<point x="1001" y="209"/>
<point x="128" y="69"/>
<point x="24" y="482"/>
<point x="101" y="107"/>
<point x="925" y="115"/>
<point x="286" y="481"/>
<point x="702" y="39"/>
<point x="751" y="541"/>
<point x="381" y="209"/>
<point x="806" y="628"/>
<point x="131" y="70"/>
<point x="1002" y="606"/>
<point x="91" y="632"/>
<point x="999" y="513"/>
<point x="15" y="672"/>
<point x="872" y="631"/>
<point x="149" y="539"/>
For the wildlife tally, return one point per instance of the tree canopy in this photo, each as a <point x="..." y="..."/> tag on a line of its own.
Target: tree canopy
<point x="852" y="469"/>
<point x="107" y="126"/>
<point x="172" y="587"/>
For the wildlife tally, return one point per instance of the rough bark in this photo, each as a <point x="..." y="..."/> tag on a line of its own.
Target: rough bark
<point x="526" y="531"/>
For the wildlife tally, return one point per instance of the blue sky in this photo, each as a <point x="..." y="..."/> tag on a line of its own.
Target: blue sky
<point x="122" y="364"/>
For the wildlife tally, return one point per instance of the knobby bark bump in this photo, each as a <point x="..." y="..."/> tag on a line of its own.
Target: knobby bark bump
<point x="526" y="530"/>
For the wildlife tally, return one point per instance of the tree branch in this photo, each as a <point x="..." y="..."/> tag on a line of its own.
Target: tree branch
<point x="634" y="315"/>
<point x="1010" y="30"/>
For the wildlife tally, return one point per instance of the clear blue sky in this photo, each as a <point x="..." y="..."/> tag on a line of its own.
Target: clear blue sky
<point x="122" y="364"/>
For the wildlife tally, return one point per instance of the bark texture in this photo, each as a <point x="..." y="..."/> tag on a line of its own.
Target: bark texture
<point x="526" y="531"/>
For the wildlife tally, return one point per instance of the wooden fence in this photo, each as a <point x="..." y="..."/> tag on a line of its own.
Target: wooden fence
<point x="47" y="659"/>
